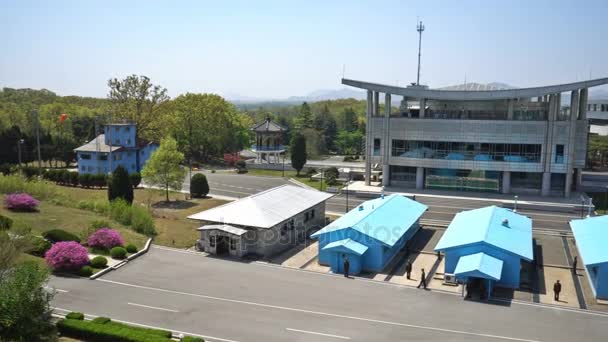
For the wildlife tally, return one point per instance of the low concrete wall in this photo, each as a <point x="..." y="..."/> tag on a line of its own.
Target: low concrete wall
<point x="122" y="263"/>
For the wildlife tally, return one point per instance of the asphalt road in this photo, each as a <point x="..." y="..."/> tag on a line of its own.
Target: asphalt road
<point x="441" y="210"/>
<point x="233" y="301"/>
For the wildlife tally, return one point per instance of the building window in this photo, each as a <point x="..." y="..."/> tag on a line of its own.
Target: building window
<point x="85" y="156"/>
<point x="306" y="217"/>
<point x="284" y="229"/>
<point x="212" y="241"/>
<point x="128" y="129"/>
<point x="116" y="129"/>
<point x="132" y="166"/>
<point x="117" y="156"/>
<point x="128" y="141"/>
<point x="232" y="244"/>
<point x="292" y="224"/>
<point x="559" y="154"/>
<point x="312" y="214"/>
<point x="376" y="146"/>
<point x="103" y="157"/>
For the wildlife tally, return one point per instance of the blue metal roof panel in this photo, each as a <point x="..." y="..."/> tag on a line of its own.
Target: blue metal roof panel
<point x="348" y="244"/>
<point x="479" y="264"/>
<point x="499" y="227"/>
<point x="384" y="219"/>
<point x="591" y="235"/>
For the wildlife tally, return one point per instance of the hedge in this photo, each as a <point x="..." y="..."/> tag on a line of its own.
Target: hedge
<point x="57" y="235"/>
<point x="131" y="248"/>
<point x="39" y="245"/>
<point x="75" y="315"/>
<point x="85" y="271"/>
<point x="199" y="187"/>
<point x="118" y="253"/>
<point x="5" y="223"/>
<point x="99" y="262"/>
<point x="100" y="320"/>
<point x="192" y="339"/>
<point x="110" y="332"/>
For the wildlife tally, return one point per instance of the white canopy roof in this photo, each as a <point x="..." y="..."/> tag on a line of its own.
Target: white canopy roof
<point x="265" y="209"/>
<point x="225" y="228"/>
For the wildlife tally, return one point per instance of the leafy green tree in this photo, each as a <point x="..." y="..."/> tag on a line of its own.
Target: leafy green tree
<point x="349" y="120"/>
<point x="163" y="169"/>
<point x="199" y="187"/>
<point x="304" y="119"/>
<point x="331" y="175"/>
<point x="349" y="142"/>
<point x="297" y="149"/>
<point x="137" y="99"/>
<point x="325" y="123"/>
<point x="25" y="313"/>
<point x="120" y="186"/>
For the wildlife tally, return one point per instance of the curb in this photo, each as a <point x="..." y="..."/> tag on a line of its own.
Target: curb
<point x="122" y="263"/>
<point x="298" y="183"/>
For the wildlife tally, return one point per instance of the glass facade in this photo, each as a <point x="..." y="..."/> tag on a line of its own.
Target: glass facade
<point x="463" y="180"/>
<point x="403" y="173"/>
<point x="525" y="153"/>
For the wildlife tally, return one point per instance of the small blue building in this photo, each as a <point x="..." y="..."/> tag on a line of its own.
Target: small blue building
<point x="370" y="235"/>
<point x="489" y="244"/>
<point x="121" y="141"/>
<point x="591" y="236"/>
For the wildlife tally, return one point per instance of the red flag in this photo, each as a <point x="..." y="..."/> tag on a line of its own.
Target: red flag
<point x="62" y="118"/>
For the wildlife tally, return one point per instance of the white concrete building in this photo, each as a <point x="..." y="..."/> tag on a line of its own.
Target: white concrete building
<point x="597" y="114"/>
<point x="502" y="140"/>
<point x="263" y="224"/>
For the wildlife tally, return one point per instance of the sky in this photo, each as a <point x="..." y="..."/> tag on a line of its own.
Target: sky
<point x="276" y="49"/>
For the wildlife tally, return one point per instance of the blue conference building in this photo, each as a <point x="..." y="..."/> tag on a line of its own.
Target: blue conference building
<point x="591" y="236"/>
<point x="120" y="141"/>
<point x="488" y="244"/>
<point x="369" y="235"/>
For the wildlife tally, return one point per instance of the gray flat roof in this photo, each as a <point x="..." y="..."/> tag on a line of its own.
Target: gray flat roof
<point x="472" y="95"/>
<point x="225" y="228"/>
<point x="97" y="144"/>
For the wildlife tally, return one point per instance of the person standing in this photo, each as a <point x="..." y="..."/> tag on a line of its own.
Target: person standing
<point x="557" y="288"/>
<point x="346" y="266"/>
<point x="408" y="269"/>
<point x="574" y="264"/>
<point x="422" y="279"/>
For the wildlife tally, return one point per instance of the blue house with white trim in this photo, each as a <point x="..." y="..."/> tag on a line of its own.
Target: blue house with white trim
<point x="370" y="235"/>
<point x="119" y="140"/>
<point x="591" y="236"/>
<point x="489" y="244"/>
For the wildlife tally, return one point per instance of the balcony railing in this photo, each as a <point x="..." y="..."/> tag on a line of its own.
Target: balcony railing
<point x="270" y="148"/>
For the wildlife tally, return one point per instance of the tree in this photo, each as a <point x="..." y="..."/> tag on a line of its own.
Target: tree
<point x="304" y="119"/>
<point x="120" y="185"/>
<point x="331" y="175"/>
<point x="25" y="313"/>
<point x="137" y="99"/>
<point x="163" y="169"/>
<point x="297" y="149"/>
<point x="349" y="120"/>
<point x="198" y="186"/>
<point x="349" y="142"/>
<point x="326" y="124"/>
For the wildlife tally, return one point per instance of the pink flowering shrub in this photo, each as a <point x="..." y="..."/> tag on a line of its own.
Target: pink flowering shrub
<point x="20" y="202"/>
<point x="67" y="256"/>
<point x="105" y="238"/>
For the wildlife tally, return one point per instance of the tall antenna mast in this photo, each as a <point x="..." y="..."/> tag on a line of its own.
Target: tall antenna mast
<point x="420" y="29"/>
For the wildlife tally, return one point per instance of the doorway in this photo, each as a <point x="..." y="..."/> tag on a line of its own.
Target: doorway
<point x="223" y="245"/>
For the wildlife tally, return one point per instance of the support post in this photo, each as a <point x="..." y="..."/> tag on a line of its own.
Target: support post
<point x="368" y="139"/>
<point x="506" y="182"/>
<point x="376" y="111"/>
<point x="510" y="109"/>
<point x="422" y="108"/>
<point x="386" y="177"/>
<point x="582" y="109"/>
<point x="574" y="107"/>
<point x="419" y="178"/>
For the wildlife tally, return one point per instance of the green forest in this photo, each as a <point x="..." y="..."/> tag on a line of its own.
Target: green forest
<point x="205" y="125"/>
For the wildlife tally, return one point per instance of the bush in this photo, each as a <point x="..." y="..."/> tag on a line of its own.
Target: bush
<point x="73" y="176"/>
<point x="58" y="235"/>
<point x="67" y="256"/>
<point x="99" y="262"/>
<point x="5" y="223"/>
<point x="331" y="175"/>
<point x="65" y="177"/>
<point x="39" y="189"/>
<point x="192" y="339"/>
<point x="101" y="320"/>
<point x="98" y="224"/>
<point x="100" y="207"/>
<point x="39" y="246"/>
<point x="6" y="169"/>
<point x="29" y="171"/>
<point x="118" y="253"/>
<point x="85" y="271"/>
<point x="120" y="211"/>
<point x="142" y="222"/>
<point x="21" y="202"/>
<point x="75" y="315"/>
<point x="199" y="186"/>
<point x="99" y="181"/>
<point x="105" y="238"/>
<point x="85" y="180"/>
<point x="135" y="179"/>
<point x="120" y="186"/>
<point x="111" y="332"/>
<point x="131" y="248"/>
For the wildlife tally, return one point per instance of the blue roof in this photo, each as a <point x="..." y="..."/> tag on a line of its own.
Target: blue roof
<point x="591" y="235"/>
<point x="479" y="265"/>
<point x="488" y="225"/>
<point x="346" y="245"/>
<point x="376" y="218"/>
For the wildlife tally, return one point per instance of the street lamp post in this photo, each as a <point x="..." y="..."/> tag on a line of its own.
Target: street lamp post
<point x="347" y="170"/>
<point x="321" y="184"/>
<point x="515" y="204"/>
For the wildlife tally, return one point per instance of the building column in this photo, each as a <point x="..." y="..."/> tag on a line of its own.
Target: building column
<point x="579" y="178"/>
<point x="419" y="178"/>
<point x="376" y="111"/>
<point x="582" y="108"/>
<point x="510" y="106"/>
<point x="574" y="107"/>
<point x="368" y="139"/>
<point x="554" y="106"/>
<point x="386" y="170"/>
<point x="545" y="189"/>
<point x="506" y="182"/>
<point x="422" y="108"/>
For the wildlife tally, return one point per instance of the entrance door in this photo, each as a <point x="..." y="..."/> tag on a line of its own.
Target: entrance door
<point x="223" y="245"/>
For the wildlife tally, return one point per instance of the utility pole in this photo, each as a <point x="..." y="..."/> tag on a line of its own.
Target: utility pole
<point x="19" y="143"/>
<point x="420" y="29"/>
<point x="38" y="143"/>
<point x="108" y="125"/>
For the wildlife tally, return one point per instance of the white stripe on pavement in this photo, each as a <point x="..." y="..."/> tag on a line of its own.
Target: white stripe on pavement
<point x="55" y="289"/>
<point x="318" y="333"/>
<point x="152" y="307"/>
<point x="327" y="314"/>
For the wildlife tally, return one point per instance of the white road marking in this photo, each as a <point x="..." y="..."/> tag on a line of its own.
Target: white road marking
<point x="152" y="307"/>
<point x="320" y="313"/>
<point x="206" y="337"/>
<point x="55" y="289"/>
<point x="318" y="333"/>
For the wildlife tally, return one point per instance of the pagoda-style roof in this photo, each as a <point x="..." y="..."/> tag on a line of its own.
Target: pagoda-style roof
<point x="267" y="126"/>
